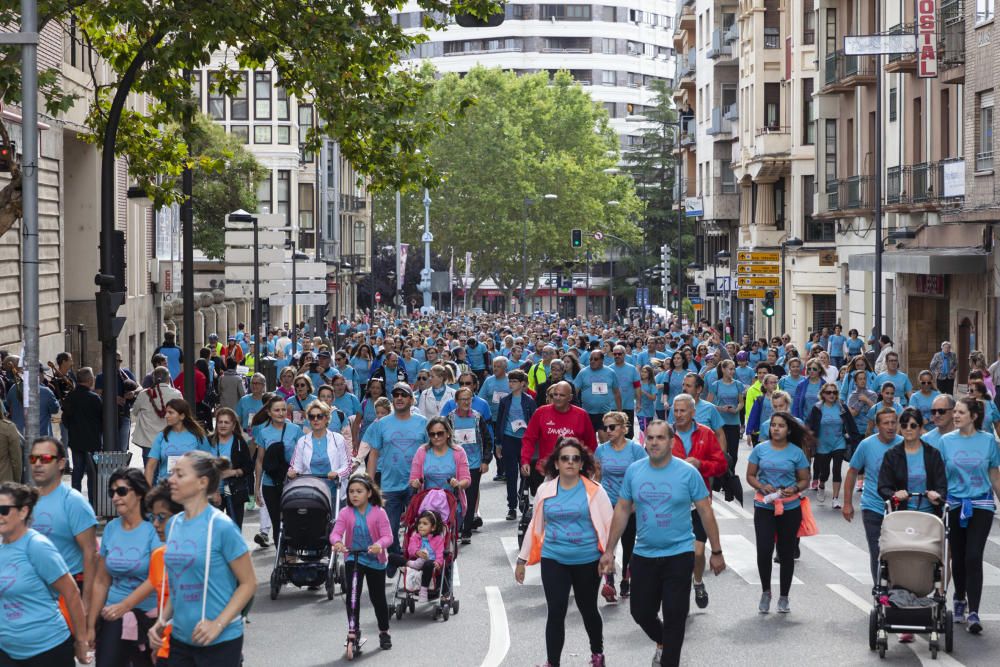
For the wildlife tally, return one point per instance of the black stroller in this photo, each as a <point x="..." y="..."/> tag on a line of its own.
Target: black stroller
<point x="304" y="556"/>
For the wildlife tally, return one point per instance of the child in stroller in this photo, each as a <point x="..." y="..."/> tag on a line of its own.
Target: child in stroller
<point x="424" y="550"/>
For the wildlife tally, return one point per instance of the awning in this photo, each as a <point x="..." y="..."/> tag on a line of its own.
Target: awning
<point x="927" y="261"/>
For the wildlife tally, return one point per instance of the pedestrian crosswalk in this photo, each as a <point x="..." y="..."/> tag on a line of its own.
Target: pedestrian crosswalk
<point x="741" y="557"/>
<point x="851" y="560"/>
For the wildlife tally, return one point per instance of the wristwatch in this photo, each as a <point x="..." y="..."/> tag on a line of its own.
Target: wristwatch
<point x="717" y="553"/>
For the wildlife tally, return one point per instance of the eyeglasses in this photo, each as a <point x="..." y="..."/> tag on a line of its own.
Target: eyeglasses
<point x="421" y="377"/>
<point x="570" y="458"/>
<point x="926" y="384"/>
<point x="829" y="393"/>
<point x="941" y="411"/>
<point x="611" y="427"/>
<point x="5" y="509"/>
<point x="120" y="491"/>
<point x="397" y="394"/>
<point x="317" y="416"/>
<point x="157" y="518"/>
<point x="618" y="354"/>
<point x="43" y="458"/>
<point x="909" y="425"/>
<point x="437" y="434"/>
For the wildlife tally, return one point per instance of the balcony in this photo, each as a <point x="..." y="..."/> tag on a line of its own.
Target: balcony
<point x="719" y="48"/>
<point x="685" y="17"/>
<point x="768" y="157"/>
<point x="721" y="127"/>
<point x="732" y="34"/>
<point x="850" y="196"/>
<point x="901" y="62"/>
<point x="842" y="73"/>
<point x="687" y="67"/>
<point x="951" y="42"/>
<point x="919" y="187"/>
<point x="688" y="132"/>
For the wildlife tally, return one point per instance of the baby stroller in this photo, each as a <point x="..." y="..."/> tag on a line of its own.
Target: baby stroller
<point x="911" y="595"/>
<point x="304" y="556"/>
<point x="440" y="594"/>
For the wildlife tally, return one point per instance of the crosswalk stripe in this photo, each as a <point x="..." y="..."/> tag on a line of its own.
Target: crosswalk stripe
<point x="532" y="575"/>
<point x="842" y="554"/>
<point x="734" y="507"/>
<point x="741" y="557"/>
<point x="723" y="511"/>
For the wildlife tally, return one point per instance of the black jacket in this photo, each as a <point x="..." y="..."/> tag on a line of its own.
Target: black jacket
<point x="239" y="460"/>
<point x="82" y="415"/>
<point x="528" y="405"/>
<point x="851" y="435"/>
<point x="893" y="475"/>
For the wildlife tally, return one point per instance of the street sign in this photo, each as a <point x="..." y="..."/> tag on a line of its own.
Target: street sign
<point x="301" y="285"/>
<point x="723" y="284"/>
<point x="751" y="269"/>
<point x="332" y="286"/>
<point x="758" y="256"/>
<point x="874" y="45"/>
<point x="698" y="306"/>
<point x="598" y="236"/>
<point x="750" y="293"/>
<point x="758" y="281"/>
<point x="693" y="291"/>
<point x="246" y="255"/>
<point x="265" y="237"/>
<point x="303" y="269"/>
<point x="310" y="299"/>
<point x="378" y="297"/>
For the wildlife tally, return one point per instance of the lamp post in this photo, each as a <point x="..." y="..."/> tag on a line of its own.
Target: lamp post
<point x="793" y="242"/>
<point x="725" y="256"/>
<point x="427" y="238"/>
<point x="528" y="202"/>
<point x="255" y="319"/>
<point x="721" y="256"/>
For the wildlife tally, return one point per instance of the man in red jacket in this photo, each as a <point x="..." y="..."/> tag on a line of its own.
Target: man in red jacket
<point x="549" y="423"/>
<point x="697" y="444"/>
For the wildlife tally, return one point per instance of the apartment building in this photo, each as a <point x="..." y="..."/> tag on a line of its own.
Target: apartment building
<point x="614" y="49"/>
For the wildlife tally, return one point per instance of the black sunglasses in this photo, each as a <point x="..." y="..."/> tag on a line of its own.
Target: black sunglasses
<point x="611" y="427"/>
<point x="437" y="434"/>
<point x="570" y="458"/>
<point x="120" y="491"/>
<point x="909" y="424"/>
<point x="397" y="394"/>
<point x="465" y="384"/>
<point x="316" y="416"/>
<point x="157" y="518"/>
<point x="941" y="411"/>
<point x="5" y="509"/>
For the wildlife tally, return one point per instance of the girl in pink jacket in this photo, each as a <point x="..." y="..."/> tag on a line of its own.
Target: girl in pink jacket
<point x="424" y="550"/>
<point x="364" y="526"/>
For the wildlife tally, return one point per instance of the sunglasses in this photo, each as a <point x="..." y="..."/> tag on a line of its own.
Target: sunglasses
<point x="611" y="427"/>
<point x="940" y="411"/>
<point x="301" y="386"/>
<point x="910" y="425"/>
<point x="157" y="518"/>
<point x="397" y="394"/>
<point x="120" y="491"/>
<point x="438" y="434"/>
<point x="316" y="417"/>
<point x="829" y="393"/>
<point x="926" y="384"/>
<point x="618" y="354"/>
<point x="421" y="377"/>
<point x="43" y="458"/>
<point x="570" y="458"/>
<point x="464" y="384"/>
<point x="5" y="509"/>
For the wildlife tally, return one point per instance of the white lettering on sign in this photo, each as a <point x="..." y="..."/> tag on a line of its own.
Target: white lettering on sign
<point x="926" y="38"/>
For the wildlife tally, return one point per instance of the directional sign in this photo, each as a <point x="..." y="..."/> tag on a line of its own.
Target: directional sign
<point x="264" y="238"/>
<point x="758" y="281"/>
<point x="750" y="293"/>
<point x="598" y="236"/>
<point x="693" y="290"/>
<point x="310" y="299"/>
<point x="752" y="269"/>
<point x="758" y="256"/>
<point x="301" y="285"/>
<point x="246" y="255"/>
<point x="303" y="269"/>
<point x="695" y="300"/>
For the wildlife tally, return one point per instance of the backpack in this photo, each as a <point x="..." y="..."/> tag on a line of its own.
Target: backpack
<point x="275" y="464"/>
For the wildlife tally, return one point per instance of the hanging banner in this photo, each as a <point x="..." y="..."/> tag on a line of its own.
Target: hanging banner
<point x="927" y="39"/>
<point x="467" y="282"/>
<point x="401" y="269"/>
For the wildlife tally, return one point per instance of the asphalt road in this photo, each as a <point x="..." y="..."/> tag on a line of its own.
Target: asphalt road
<point x="502" y="623"/>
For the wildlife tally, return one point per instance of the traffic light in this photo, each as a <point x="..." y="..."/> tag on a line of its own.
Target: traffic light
<point x="7" y="157"/>
<point x="491" y="21"/>
<point x="577" y="238"/>
<point x="769" y="303"/>
<point x="109" y="325"/>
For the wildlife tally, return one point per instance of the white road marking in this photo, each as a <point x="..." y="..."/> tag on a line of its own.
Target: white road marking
<point x="866" y="606"/>
<point x="532" y="575"/>
<point x="499" y="631"/>
<point x="454" y="575"/>
<point x="741" y="557"/>
<point x="734" y="506"/>
<point x="852" y="560"/>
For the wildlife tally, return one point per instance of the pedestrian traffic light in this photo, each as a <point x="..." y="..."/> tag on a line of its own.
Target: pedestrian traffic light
<point x="577" y="238"/>
<point x="769" y="303"/>
<point x="109" y="325"/>
<point x="7" y="157"/>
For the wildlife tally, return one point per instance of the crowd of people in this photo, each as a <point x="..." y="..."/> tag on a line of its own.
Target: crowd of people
<point x="619" y="432"/>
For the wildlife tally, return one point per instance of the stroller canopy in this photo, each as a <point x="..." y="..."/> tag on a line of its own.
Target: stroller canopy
<point x="306" y="493"/>
<point x="912" y="533"/>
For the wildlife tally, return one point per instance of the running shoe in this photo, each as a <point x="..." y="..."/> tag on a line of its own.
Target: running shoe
<point x="477" y="522"/>
<point x="466" y="538"/>
<point x="511" y="515"/>
<point x="906" y="638"/>
<point x="820" y="495"/>
<point x="959" y="611"/>
<point x="700" y="596"/>
<point x="499" y="478"/>
<point x="608" y="591"/>
<point x="658" y="656"/>
<point x="975" y="627"/>
<point x="262" y="540"/>
<point x="837" y="504"/>
<point x="624" y="588"/>
<point x="783" y="606"/>
<point x="814" y="485"/>
<point x="764" y="606"/>
<point x="384" y="641"/>
<point x="596" y="660"/>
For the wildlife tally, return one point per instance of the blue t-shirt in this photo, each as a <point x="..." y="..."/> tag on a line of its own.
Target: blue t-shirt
<point x="873" y="410"/>
<point x="492" y="391"/>
<point x="361" y="538"/>
<point x="835" y="345"/>
<point x="811" y="396"/>
<point x="777" y="467"/>
<point x="570" y="537"/>
<point x="662" y="499"/>
<point x="933" y="438"/>
<point x="187" y="546"/>
<point x="628" y="376"/>
<point x="297" y="409"/>
<point x="868" y="459"/>
<point x="32" y="623"/>
<point x="246" y="408"/>
<point x="854" y="346"/>
<point x="916" y="481"/>
<point x="614" y="464"/>
<point x="266" y="434"/>
<point x="673" y="384"/>
<point x="348" y="404"/>
<point x="467" y="435"/>
<point x="831" y="430"/>
<point x="597" y="389"/>
<point x="923" y="403"/>
<point x="396" y="440"/>
<point x="898" y="380"/>
<point x="439" y="469"/>
<point x="728" y="395"/>
<point x="515" y="414"/>
<point x="61" y="516"/>
<point x="967" y="461"/>
<point x="477" y="356"/>
<point x="319" y="464"/>
<point x="746" y="375"/>
<point x="788" y="384"/>
<point x="362" y="369"/>
<point x="647" y="406"/>
<point x="126" y="556"/>
<point x="704" y="413"/>
<point x="685" y="437"/>
<point x="167" y="449"/>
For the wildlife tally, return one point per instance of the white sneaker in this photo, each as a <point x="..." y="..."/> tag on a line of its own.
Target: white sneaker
<point x="814" y="485"/>
<point x="657" y="656"/>
<point x="820" y="494"/>
<point x="837" y="504"/>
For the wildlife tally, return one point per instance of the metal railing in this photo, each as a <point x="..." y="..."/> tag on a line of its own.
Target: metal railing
<point x="917" y="184"/>
<point x="732" y="111"/>
<point x="732" y="33"/>
<point x="833" y="195"/>
<point x="839" y="67"/>
<point x="893" y="185"/>
<point x="719" y="47"/>
<point x="688" y="136"/>
<point x="854" y="192"/>
<point x="984" y="161"/>
<point x="899" y="29"/>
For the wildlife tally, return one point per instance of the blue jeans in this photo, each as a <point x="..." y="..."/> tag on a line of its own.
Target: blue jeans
<point x="124" y="430"/>
<point x="395" y="503"/>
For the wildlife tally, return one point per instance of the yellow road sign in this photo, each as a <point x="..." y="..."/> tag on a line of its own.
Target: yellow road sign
<point x="758" y="281"/>
<point x="758" y="256"/>
<point x="751" y="269"/>
<point x="750" y="293"/>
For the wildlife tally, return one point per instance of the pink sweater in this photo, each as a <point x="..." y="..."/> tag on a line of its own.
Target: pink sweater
<point x="437" y="546"/>
<point x="461" y="468"/>
<point x="378" y="528"/>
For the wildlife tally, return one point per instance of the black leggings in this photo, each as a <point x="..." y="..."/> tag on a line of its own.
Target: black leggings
<point x="628" y="544"/>
<point x="60" y="656"/>
<point x="471" y="496"/>
<point x="235" y="506"/>
<point x="113" y="651"/>
<point x="732" y="444"/>
<point x="224" y="654"/>
<point x="272" y="498"/>
<point x="427" y="571"/>
<point x="786" y="529"/>
<point x="822" y="464"/>
<point x="663" y="585"/>
<point x="967" y="547"/>
<point x="557" y="579"/>
<point x="376" y="593"/>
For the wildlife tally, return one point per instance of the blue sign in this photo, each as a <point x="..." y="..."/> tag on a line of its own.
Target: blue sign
<point x="642" y="296"/>
<point x="695" y="300"/>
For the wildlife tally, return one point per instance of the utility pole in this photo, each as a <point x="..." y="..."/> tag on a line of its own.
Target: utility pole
<point x="425" y="275"/>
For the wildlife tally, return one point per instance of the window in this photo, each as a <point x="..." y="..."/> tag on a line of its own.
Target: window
<point x="728" y="178"/>
<point x="284" y="195"/>
<point x="814" y="230"/>
<point x="772" y="24"/>
<point x="281" y="105"/>
<point x="305" y="124"/>
<point x="264" y="197"/>
<point x="196" y="90"/>
<point x="984" y="11"/>
<point x="984" y="130"/>
<point x="284" y="135"/>
<point x="779" y="204"/>
<point x="565" y="12"/>
<point x="360" y="232"/>
<point x="824" y="311"/>
<point x="240" y="102"/>
<point x="608" y="46"/>
<point x="772" y="106"/>
<point x="772" y="38"/>
<point x="808" y="22"/>
<point x="307" y="207"/>
<point x="262" y="95"/>
<point x="262" y="134"/>
<point x="610" y="108"/>
<point x="216" y="100"/>
<point x="608" y="77"/>
<point x="893" y="100"/>
<point x="831" y="31"/>
<point x="808" y="125"/>
<point x="241" y="132"/>
<point x="831" y="152"/>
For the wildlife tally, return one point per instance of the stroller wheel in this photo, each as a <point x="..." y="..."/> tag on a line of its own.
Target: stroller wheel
<point x="330" y="585"/>
<point x="436" y="614"/>
<point x="412" y="605"/>
<point x="949" y="632"/>
<point x="883" y="646"/>
<point x="454" y="607"/>
<point x="873" y="630"/>
<point x="275" y="584"/>
<point x="400" y="610"/>
<point x="446" y="611"/>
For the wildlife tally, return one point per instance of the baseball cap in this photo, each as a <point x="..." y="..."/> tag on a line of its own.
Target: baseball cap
<point x="402" y="386"/>
<point x="324" y="354"/>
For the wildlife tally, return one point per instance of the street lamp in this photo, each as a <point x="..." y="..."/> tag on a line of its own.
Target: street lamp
<point x="721" y="256"/>
<point x="427" y="238"/>
<point x="242" y="216"/>
<point x="614" y="203"/>
<point x="793" y="242"/>
<point x="528" y="201"/>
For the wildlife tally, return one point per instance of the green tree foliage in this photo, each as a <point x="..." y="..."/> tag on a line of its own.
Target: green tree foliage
<point x="525" y="137"/>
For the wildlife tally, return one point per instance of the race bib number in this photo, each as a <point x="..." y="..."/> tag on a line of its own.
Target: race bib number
<point x="298" y="416"/>
<point x="250" y="418"/>
<point x="518" y="424"/>
<point x="498" y="396"/>
<point x="599" y="388"/>
<point x="171" y="462"/>
<point x="465" y="436"/>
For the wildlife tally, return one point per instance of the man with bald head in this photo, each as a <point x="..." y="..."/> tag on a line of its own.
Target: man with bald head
<point x="551" y="422"/>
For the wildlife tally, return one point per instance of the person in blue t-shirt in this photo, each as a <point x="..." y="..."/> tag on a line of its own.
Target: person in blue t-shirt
<point x="924" y="397"/>
<point x="478" y="356"/>
<point x="614" y="457"/>
<point x="647" y="396"/>
<point x="660" y="490"/>
<point x="867" y="461"/>
<point x="598" y="388"/>
<point x="704" y="411"/>
<point x="913" y="467"/>
<point x="495" y="387"/>
<point x="888" y="401"/>
<point x="127" y="545"/>
<point x="779" y="471"/>
<point x="272" y="429"/>
<point x="729" y="395"/>
<point x="182" y="434"/>
<point x="836" y="345"/>
<point x="628" y="384"/>
<point x="895" y="376"/>
<point x="831" y="422"/>
<point x="250" y="404"/>
<point x="209" y="571"/>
